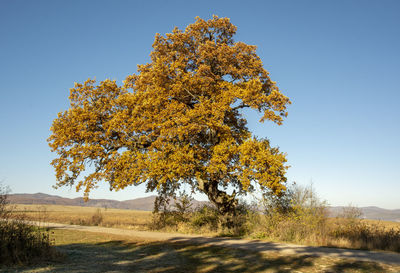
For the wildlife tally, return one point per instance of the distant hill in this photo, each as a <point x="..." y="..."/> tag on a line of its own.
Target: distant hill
<point x="145" y="203"/>
<point x="374" y="213"/>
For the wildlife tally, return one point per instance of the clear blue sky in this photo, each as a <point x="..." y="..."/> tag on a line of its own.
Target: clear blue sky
<point x="338" y="61"/>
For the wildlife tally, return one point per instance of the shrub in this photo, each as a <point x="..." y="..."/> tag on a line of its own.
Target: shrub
<point x="166" y="215"/>
<point x="299" y="217"/>
<point x="97" y="218"/>
<point x="21" y="243"/>
<point x="182" y="206"/>
<point x="205" y="216"/>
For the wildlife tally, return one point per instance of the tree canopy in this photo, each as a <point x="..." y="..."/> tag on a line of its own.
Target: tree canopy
<point x="177" y="120"/>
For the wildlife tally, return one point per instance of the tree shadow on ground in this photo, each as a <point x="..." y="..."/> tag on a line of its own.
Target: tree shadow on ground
<point x="121" y="256"/>
<point x="263" y="246"/>
<point x="347" y="266"/>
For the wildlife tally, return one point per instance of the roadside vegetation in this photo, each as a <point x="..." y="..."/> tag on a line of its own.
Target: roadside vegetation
<point x="21" y="243"/>
<point x="298" y="217"/>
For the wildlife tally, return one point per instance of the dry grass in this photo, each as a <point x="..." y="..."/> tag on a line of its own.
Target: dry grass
<point x="132" y="219"/>
<point x="21" y="243"/>
<point x="24" y="244"/>
<point x="97" y="252"/>
<point x="309" y="227"/>
<point x="356" y="233"/>
<point x="384" y="224"/>
<point x="312" y="227"/>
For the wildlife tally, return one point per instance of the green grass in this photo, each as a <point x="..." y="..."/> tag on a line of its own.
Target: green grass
<point x="97" y="252"/>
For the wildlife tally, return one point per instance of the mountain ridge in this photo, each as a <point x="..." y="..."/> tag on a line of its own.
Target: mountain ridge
<point x="141" y="203"/>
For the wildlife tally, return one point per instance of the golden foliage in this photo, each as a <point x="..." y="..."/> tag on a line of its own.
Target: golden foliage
<point x="178" y="120"/>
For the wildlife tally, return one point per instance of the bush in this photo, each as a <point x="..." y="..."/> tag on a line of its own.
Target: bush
<point x="21" y="243"/>
<point x="183" y="207"/>
<point x="297" y="216"/>
<point x="205" y="216"/>
<point x="97" y="218"/>
<point x="293" y="217"/>
<point x="171" y="216"/>
<point x="304" y="220"/>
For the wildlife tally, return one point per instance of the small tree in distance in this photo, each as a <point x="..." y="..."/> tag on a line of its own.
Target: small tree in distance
<point x="177" y="121"/>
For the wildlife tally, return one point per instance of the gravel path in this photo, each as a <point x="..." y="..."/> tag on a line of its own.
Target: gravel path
<point x="253" y="245"/>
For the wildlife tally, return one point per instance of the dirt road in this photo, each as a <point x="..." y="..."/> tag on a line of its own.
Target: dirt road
<point x="253" y="245"/>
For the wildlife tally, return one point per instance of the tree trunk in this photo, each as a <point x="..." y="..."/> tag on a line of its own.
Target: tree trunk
<point x="225" y="203"/>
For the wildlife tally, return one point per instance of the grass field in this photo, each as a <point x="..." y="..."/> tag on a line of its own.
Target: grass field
<point x="385" y="224"/>
<point x="97" y="252"/>
<point x="132" y="219"/>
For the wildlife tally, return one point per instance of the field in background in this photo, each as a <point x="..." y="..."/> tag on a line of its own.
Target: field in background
<point x="98" y="252"/>
<point x="132" y="219"/>
<point x="385" y="224"/>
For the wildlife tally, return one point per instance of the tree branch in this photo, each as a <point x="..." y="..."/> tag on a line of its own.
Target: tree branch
<point x="226" y="203"/>
<point x="193" y="96"/>
<point x="243" y="105"/>
<point x="190" y="105"/>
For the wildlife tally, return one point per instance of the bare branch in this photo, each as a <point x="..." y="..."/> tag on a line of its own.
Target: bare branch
<point x="193" y="96"/>
<point x="243" y="105"/>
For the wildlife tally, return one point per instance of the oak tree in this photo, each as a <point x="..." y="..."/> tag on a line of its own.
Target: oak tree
<point x="178" y="120"/>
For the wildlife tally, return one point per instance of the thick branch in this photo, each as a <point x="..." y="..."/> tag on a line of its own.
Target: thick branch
<point x="190" y="105"/>
<point x="225" y="203"/>
<point x="190" y="93"/>
<point x="243" y="105"/>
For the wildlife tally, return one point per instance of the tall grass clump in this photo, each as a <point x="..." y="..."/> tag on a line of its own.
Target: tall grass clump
<point x="21" y="243"/>
<point x="297" y="216"/>
<point x="97" y="218"/>
<point x="357" y="233"/>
